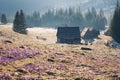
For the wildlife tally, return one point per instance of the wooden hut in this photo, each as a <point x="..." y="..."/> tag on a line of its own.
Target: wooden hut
<point x="69" y="35"/>
<point x="89" y="34"/>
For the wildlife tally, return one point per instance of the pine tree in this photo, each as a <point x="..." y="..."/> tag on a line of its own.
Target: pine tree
<point x="94" y="12"/>
<point x="3" y="19"/>
<point x="19" y="24"/>
<point x="77" y="19"/>
<point x="89" y="18"/>
<point x="115" y="24"/>
<point x="36" y="19"/>
<point x="100" y="21"/>
<point x="16" y="22"/>
<point x="22" y="23"/>
<point x="22" y="19"/>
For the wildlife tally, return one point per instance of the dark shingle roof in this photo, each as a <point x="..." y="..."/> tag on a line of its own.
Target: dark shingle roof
<point x="89" y="33"/>
<point x="68" y="32"/>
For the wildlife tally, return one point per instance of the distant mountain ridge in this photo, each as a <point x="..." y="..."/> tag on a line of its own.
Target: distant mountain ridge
<point x="11" y="6"/>
<point x="100" y="4"/>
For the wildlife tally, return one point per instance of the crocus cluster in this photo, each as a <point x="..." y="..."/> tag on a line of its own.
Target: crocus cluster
<point x="5" y="76"/>
<point x="37" y="68"/>
<point x="13" y="54"/>
<point x="32" y="67"/>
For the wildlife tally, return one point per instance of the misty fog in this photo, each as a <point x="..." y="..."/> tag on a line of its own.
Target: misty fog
<point x="11" y="6"/>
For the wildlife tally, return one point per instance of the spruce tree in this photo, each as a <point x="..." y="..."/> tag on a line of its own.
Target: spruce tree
<point x="19" y="24"/>
<point x="22" y="23"/>
<point x="100" y="21"/>
<point x="115" y="24"/>
<point x="89" y="18"/>
<point x="16" y="22"/>
<point x="3" y="19"/>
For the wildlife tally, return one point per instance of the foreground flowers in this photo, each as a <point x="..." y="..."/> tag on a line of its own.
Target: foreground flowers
<point x="13" y="54"/>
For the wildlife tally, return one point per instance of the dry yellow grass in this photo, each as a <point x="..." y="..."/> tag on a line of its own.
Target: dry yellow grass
<point x="67" y="61"/>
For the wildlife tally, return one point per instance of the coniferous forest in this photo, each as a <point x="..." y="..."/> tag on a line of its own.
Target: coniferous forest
<point x="70" y="17"/>
<point x="115" y="24"/>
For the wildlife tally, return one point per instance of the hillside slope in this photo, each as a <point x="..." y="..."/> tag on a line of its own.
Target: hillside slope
<point x="26" y="57"/>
